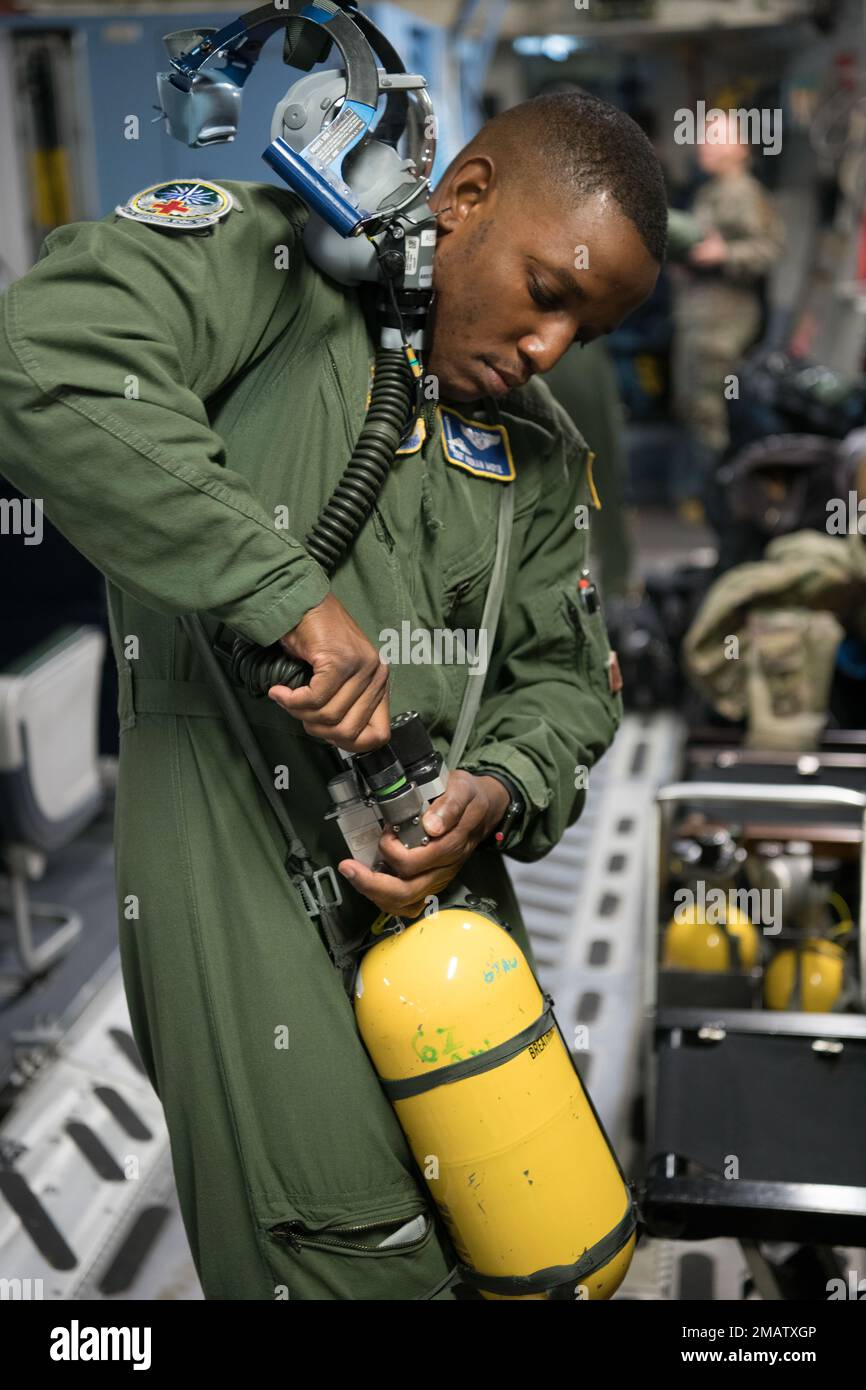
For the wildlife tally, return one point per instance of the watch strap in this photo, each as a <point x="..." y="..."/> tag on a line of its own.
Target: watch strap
<point x="501" y="835"/>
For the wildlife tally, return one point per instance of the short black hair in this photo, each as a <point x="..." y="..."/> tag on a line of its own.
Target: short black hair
<point x="587" y="146"/>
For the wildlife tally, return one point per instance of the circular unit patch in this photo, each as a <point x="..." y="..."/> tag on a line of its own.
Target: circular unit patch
<point x="186" y="206"/>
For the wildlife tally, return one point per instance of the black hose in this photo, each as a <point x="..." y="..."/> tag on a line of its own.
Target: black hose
<point x="392" y="399"/>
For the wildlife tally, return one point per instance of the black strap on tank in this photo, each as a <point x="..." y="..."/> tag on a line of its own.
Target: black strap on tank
<point x="472" y="1066"/>
<point x="557" y="1280"/>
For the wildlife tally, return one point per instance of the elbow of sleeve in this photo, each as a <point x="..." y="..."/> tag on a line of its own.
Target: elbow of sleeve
<point x="269" y="614"/>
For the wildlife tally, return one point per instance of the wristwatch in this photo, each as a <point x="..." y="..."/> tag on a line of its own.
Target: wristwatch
<point x="500" y="836"/>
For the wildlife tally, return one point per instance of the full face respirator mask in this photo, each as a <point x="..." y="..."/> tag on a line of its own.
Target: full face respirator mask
<point x="369" y="217"/>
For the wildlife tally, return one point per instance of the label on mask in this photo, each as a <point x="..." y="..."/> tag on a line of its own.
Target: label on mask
<point x="481" y="449"/>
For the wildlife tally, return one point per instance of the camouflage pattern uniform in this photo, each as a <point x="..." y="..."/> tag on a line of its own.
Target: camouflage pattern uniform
<point x="762" y="646"/>
<point x="717" y="311"/>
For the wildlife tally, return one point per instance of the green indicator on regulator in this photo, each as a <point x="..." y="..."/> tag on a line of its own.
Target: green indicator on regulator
<point x="383" y="791"/>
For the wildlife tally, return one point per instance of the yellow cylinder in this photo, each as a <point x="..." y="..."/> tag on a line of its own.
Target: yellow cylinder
<point x="821" y="966"/>
<point x="514" y="1156"/>
<point x="692" y="942"/>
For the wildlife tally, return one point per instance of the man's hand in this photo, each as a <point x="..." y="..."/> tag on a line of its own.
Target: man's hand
<point x="713" y="250"/>
<point x="457" y="822"/>
<point x="346" y="701"/>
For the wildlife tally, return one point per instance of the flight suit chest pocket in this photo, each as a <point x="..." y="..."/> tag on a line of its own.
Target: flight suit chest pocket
<point x="466" y="577"/>
<point x="569" y="635"/>
<point x="469" y="544"/>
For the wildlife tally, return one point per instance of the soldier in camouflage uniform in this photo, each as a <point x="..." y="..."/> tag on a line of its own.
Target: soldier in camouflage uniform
<point x="717" y="302"/>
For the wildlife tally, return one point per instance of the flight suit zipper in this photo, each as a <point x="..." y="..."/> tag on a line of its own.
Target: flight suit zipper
<point x="453" y="596"/>
<point x="581" y="637"/>
<point x="299" y="1238"/>
<point x="593" y="651"/>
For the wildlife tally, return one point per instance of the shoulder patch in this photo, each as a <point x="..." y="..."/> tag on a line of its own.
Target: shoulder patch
<point x="479" y="448"/>
<point x="416" y="438"/>
<point x="593" y="490"/>
<point x="185" y="206"/>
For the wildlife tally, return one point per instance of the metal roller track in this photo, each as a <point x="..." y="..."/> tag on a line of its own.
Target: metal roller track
<point x="85" y="1177"/>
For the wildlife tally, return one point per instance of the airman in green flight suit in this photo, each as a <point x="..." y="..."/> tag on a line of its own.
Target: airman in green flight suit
<point x="184" y="405"/>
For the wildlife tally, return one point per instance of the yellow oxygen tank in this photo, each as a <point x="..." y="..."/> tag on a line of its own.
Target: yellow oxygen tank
<point x="691" y="942"/>
<point x="494" y="1111"/>
<point x="816" y="967"/>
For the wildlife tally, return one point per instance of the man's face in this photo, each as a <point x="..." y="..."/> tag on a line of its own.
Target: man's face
<point x="518" y="280"/>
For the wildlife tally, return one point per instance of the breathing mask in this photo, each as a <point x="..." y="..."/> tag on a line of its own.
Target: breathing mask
<point x="370" y="220"/>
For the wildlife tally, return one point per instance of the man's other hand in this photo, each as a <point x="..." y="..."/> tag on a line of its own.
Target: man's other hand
<point x="457" y="822"/>
<point x="346" y="701"/>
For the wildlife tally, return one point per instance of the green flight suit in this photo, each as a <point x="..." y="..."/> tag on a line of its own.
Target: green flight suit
<point x="167" y="394"/>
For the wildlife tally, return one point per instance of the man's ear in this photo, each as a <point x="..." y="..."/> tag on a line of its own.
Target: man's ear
<point x="468" y="186"/>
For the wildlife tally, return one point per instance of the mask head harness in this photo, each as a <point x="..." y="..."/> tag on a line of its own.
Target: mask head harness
<point x="369" y="216"/>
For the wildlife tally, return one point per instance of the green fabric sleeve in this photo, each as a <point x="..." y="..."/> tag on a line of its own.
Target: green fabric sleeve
<point x="109" y="348"/>
<point x="548" y="713"/>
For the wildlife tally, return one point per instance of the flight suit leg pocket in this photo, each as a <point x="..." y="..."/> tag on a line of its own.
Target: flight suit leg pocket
<point x="393" y="1255"/>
